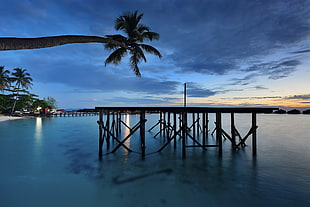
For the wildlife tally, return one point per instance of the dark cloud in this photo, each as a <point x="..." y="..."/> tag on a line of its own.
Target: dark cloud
<point x="304" y="96"/>
<point x="195" y="90"/>
<point x="272" y="69"/>
<point x="301" y="51"/>
<point x="260" y="88"/>
<point x="246" y="80"/>
<point x="227" y="32"/>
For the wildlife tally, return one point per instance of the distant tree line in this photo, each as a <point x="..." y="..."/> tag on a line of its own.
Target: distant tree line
<point x="15" y="94"/>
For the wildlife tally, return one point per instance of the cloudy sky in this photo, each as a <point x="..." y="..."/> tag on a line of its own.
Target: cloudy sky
<point x="230" y="53"/>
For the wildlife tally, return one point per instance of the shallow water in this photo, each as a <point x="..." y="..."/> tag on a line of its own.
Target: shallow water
<point x="54" y="162"/>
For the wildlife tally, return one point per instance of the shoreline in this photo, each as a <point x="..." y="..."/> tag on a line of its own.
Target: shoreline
<point x="9" y="118"/>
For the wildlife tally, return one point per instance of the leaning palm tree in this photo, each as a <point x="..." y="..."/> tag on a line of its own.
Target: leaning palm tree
<point x="136" y="33"/>
<point x="22" y="81"/>
<point x="4" y="79"/>
<point x="14" y="43"/>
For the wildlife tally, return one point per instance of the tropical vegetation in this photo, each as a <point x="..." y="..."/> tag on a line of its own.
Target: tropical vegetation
<point x="15" y="94"/>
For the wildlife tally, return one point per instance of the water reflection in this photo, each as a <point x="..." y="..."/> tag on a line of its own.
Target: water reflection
<point x="38" y="130"/>
<point x="126" y="133"/>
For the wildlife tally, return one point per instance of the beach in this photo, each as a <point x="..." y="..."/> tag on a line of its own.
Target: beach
<point x="8" y="118"/>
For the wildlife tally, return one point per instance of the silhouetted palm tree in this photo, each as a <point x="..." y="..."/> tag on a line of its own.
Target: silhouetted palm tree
<point x="4" y="79"/>
<point x="14" y="43"/>
<point x="22" y="81"/>
<point x="136" y="33"/>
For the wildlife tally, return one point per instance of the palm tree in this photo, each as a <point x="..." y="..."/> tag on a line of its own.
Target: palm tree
<point x="22" y="81"/>
<point x="4" y="82"/>
<point x="136" y="33"/>
<point x="13" y="43"/>
<point x="4" y="79"/>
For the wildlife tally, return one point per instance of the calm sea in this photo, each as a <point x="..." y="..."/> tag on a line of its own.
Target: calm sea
<point x="48" y="162"/>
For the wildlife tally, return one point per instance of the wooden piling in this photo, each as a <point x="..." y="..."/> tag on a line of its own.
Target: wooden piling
<point x="193" y="125"/>
<point x="108" y="127"/>
<point x="219" y="132"/>
<point x="142" y="132"/>
<point x="175" y="130"/>
<point x="198" y="123"/>
<point x="232" y="129"/>
<point x="100" y="133"/>
<point x="254" y="127"/>
<point x="184" y="133"/>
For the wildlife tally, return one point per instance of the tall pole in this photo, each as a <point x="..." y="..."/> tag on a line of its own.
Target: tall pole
<point x="184" y="94"/>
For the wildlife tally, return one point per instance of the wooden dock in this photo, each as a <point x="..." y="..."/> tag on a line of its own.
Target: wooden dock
<point x="173" y="122"/>
<point x="73" y="114"/>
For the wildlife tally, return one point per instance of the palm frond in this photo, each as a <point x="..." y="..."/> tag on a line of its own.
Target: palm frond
<point x="138" y="53"/>
<point x="150" y="49"/>
<point x="110" y="46"/>
<point x="150" y="36"/>
<point x="116" y="56"/>
<point x="118" y="38"/>
<point x="119" y="23"/>
<point x="134" y="61"/>
<point x="142" y="28"/>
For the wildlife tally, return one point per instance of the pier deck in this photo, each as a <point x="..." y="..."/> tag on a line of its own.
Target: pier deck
<point x="173" y="122"/>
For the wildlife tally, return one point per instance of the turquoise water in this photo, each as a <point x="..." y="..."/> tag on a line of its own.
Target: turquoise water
<point x="54" y="162"/>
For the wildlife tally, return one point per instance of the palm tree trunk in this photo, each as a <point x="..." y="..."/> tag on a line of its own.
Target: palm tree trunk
<point x="13" y="108"/>
<point x="17" y="87"/>
<point x="13" y="43"/>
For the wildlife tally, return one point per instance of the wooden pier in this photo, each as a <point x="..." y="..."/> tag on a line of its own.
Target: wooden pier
<point x="173" y="122"/>
<point x="73" y="114"/>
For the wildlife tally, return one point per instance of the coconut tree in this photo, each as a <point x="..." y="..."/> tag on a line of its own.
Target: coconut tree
<point x="14" y="43"/>
<point x="22" y="81"/>
<point x="4" y="82"/>
<point x="136" y="34"/>
<point x="4" y="79"/>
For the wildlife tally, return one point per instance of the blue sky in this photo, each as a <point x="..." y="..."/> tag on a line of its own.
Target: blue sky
<point x="230" y="53"/>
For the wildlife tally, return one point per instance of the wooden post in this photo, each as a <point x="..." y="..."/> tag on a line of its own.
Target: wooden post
<point x="168" y="125"/>
<point x="194" y="124"/>
<point x="119" y="122"/>
<point x="219" y="132"/>
<point x="161" y="122"/>
<point x="100" y="133"/>
<point x="142" y="132"/>
<point x="174" y="130"/>
<point x="232" y="129"/>
<point x="198" y="124"/>
<point x="184" y="129"/>
<point x="254" y="133"/>
<point x="108" y="128"/>
<point x="164" y="124"/>
<point x="204" y="129"/>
